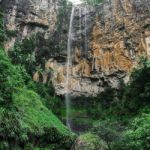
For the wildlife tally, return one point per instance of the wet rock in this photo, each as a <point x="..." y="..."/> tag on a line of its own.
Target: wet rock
<point x="106" y="41"/>
<point x="106" y="46"/>
<point x="29" y="17"/>
<point x="89" y="141"/>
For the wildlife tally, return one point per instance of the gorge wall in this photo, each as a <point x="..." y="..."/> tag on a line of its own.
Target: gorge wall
<point x="30" y="17"/>
<point x="118" y="33"/>
<point x="107" y="41"/>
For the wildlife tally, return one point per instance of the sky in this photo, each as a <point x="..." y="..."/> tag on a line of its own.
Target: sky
<point x="75" y="1"/>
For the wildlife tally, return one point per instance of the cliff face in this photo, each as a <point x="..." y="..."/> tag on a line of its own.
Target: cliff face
<point x="28" y="17"/>
<point x="107" y="40"/>
<point x="118" y="35"/>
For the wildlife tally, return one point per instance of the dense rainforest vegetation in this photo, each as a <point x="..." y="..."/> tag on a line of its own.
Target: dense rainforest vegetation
<point x="26" y="122"/>
<point x="29" y="110"/>
<point x="121" y="118"/>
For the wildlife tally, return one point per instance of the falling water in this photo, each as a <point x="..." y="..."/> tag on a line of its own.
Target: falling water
<point x="69" y="62"/>
<point x="85" y="30"/>
<point x="80" y="25"/>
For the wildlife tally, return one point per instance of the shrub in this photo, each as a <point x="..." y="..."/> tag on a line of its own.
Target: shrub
<point x="10" y="78"/>
<point x="2" y="31"/>
<point x="23" y="54"/>
<point x="137" y="93"/>
<point x="89" y="141"/>
<point x="137" y="137"/>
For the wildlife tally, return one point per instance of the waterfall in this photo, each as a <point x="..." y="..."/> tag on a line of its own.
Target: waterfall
<point x="68" y="70"/>
<point x="73" y="30"/>
<point x="80" y="20"/>
<point x="85" y="21"/>
<point x="80" y="25"/>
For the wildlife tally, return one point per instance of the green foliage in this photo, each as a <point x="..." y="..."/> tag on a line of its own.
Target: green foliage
<point x="104" y="98"/>
<point x="94" y="106"/>
<point x="129" y="99"/>
<point x="36" y="115"/>
<point x="33" y="52"/>
<point x="2" y="31"/>
<point x="120" y="125"/>
<point x="24" y="54"/>
<point x="137" y="136"/>
<point x="90" y="141"/>
<point x="24" y="118"/>
<point x="137" y="93"/>
<point x="29" y="120"/>
<point x="108" y="130"/>
<point x="47" y="92"/>
<point x="28" y="55"/>
<point x="10" y="78"/>
<point x="115" y="112"/>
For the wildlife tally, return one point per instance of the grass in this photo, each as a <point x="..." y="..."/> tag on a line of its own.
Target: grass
<point x="23" y="116"/>
<point x="35" y="114"/>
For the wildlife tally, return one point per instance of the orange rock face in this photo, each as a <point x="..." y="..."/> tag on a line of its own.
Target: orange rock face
<point x="108" y="56"/>
<point x="118" y="36"/>
<point x="114" y="50"/>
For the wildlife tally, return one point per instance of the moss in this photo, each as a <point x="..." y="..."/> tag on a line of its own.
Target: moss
<point x="90" y="141"/>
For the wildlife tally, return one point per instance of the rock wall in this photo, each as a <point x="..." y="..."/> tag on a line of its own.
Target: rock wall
<point x="118" y="33"/>
<point x="28" y="17"/>
<point x="106" y="44"/>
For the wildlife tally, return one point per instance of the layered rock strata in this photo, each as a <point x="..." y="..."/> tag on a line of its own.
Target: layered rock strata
<point x="117" y="37"/>
<point x="107" y="41"/>
<point x="28" y="17"/>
